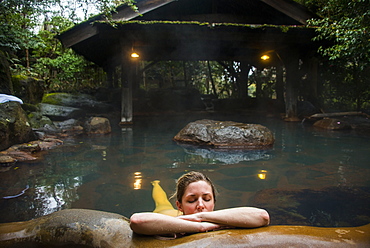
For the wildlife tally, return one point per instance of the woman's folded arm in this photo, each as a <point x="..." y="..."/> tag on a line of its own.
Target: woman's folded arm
<point x="157" y="224"/>
<point x="247" y="217"/>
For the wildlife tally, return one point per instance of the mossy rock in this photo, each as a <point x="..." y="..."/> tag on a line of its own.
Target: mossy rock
<point x="66" y="99"/>
<point x="29" y="89"/>
<point x="37" y="120"/>
<point x="14" y="125"/>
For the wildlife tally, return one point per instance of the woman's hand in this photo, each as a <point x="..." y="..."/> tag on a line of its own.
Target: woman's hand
<point x="191" y="217"/>
<point x="207" y="226"/>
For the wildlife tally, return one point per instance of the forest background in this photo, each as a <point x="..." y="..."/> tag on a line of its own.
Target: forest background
<point x="28" y="30"/>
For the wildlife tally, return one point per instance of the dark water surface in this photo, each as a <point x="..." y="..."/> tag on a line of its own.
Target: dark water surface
<point x="310" y="176"/>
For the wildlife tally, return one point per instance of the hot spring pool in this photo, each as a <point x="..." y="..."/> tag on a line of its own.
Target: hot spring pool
<point x="310" y="176"/>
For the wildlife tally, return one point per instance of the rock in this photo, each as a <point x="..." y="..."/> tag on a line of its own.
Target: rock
<point x="37" y="120"/>
<point x="67" y="124"/>
<point x="30" y="107"/>
<point x="70" y="127"/>
<point x="22" y="152"/>
<point x="47" y="143"/>
<point x="29" y="89"/>
<point x="90" y="228"/>
<point x="20" y="156"/>
<point x="81" y="101"/>
<point x="332" y="124"/>
<point x="14" y="125"/>
<point x="97" y="125"/>
<point x="6" y="160"/>
<point x="26" y="147"/>
<point x="60" y="113"/>
<point x="226" y="134"/>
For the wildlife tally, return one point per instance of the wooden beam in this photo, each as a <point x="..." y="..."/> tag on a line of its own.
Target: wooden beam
<point x="77" y="34"/>
<point x="87" y="30"/>
<point x="291" y="9"/>
<point x="127" y="13"/>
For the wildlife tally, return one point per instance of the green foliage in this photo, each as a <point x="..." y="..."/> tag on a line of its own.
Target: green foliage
<point x="27" y="33"/>
<point x="347" y="24"/>
<point x="344" y="28"/>
<point x="194" y="74"/>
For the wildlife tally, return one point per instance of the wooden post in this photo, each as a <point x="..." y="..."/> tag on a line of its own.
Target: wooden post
<point x="291" y="62"/>
<point x="127" y="78"/>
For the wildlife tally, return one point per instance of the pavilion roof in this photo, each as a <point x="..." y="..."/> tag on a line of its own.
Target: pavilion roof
<point x="193" y="30"/>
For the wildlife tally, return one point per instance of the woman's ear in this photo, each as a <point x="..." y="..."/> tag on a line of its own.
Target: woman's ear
<point x="178" y="205"/>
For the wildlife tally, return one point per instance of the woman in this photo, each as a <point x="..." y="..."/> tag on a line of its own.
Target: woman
<point x="195" y="195"/>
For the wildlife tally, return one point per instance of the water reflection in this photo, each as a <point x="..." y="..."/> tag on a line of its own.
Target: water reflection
<point x="51" y="198"/>
<point x="138" y="179"/>
<point x="229" y="156"/>
<point x="262" y="174"/>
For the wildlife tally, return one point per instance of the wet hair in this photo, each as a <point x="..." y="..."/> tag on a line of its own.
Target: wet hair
<point x="188" y="178"/>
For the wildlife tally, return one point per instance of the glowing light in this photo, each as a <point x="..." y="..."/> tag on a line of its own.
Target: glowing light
<point x="262" y="174"/>
<point x="135" y="55"/>
<point x="265" y="57"/>
<point x="138" y="180"/>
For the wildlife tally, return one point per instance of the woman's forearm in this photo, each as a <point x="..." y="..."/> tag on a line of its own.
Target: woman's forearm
<point x="156" y="224"/>
<point x="247" y="217"/>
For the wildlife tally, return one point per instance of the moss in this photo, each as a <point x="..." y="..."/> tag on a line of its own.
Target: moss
<point x="19" y="77"/>
<point x="283" y="28"/>
<point x="16" y="80"/>
<point x="53" y="98"/>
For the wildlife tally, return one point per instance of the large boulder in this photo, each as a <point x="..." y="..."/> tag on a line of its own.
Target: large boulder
<point x="14" y="125"/>
<point x="226" y="134"/>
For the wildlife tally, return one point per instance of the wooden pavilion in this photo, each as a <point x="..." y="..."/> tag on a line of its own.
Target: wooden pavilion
<point x="219" y="30"/>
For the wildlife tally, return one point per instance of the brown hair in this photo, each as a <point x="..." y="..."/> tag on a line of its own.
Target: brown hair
<point x="188" y="178"/>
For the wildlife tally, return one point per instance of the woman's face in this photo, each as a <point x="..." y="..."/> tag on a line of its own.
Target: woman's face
<point x="198" y="197"/>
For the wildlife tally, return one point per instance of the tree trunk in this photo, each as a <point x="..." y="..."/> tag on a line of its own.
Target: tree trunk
<point x="280" y="84"/>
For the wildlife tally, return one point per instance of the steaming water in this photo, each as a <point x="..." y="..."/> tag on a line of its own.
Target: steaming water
<point x="309" y="177"/>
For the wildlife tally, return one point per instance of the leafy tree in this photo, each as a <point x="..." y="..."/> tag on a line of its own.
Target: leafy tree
<point x="27" y="35"/>
<point x="345" y="25"/>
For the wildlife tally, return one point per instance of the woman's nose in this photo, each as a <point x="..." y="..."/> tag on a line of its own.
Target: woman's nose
<point x="200" y="205"/>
